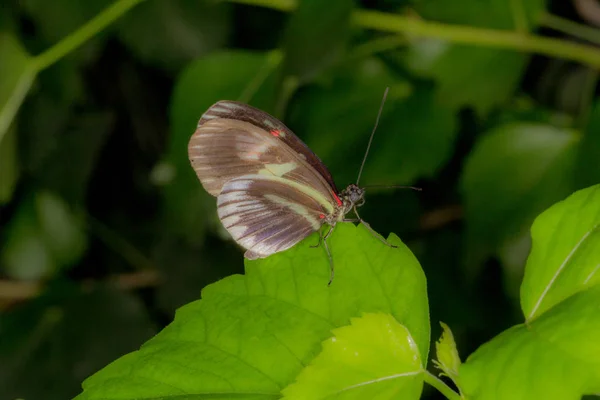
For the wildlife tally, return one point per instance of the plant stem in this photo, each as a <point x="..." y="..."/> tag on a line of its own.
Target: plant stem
<point x="479" y="36"/>
<point x="441" y="386"/>
<point x="379" y="45"/>
<point x="280" y="5"/>
<point x="459" y="33"/>
<point x="80" y="36"/>
<point x="571" y="28"/>
<point x="519" y="16"/>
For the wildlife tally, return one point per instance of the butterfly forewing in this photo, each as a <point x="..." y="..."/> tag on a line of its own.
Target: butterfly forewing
<point x="266" y="214"/>
<point x="242" y="112"/>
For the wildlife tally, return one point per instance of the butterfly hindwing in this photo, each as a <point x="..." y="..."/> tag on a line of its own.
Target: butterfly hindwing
<point x="267" y="214"/>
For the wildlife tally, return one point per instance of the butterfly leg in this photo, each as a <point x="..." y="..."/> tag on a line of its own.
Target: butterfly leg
<point x="326" y="246"/>
<point x="377" y="235"/>
<point x="319" y="242"/>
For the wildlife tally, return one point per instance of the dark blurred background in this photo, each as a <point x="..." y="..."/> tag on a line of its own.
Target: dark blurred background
<point x="105" y="230"/>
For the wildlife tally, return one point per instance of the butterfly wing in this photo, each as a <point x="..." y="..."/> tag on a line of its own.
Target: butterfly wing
<point x="234" y="139"/>
<point x="266" y="214"/>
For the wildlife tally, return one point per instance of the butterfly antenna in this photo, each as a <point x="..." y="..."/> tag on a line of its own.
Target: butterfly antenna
<point x="387" y="89"/>
<point x="418" y="189"/>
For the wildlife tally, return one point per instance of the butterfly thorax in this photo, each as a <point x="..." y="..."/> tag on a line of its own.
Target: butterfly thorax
<point x="352" y="196"/>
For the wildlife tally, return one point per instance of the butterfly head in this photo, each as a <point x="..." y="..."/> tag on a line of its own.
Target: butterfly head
<point x="352" y="196"/>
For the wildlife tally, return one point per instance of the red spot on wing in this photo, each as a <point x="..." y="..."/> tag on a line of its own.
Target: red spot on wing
<point x="321" y="216"/>
<point x="276" y="132"/>
<point x="337" y="199"/>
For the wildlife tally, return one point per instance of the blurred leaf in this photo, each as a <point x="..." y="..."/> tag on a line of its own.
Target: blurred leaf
<point x="555" y="356"/>
<point x="255" y="333"/>
<point x="336" y="119"/>
<point x="513" y="255"/>
<point x="514" y="172"/>
<point x="373" y="357"/>
<point x="61" y="229"/>
<point x="448" y="359"/>
<point x="43" y="236"/>
<point x="16" y="76"/>
<point x="56" y="20"/>
<point x="9" y="166"/>
<point x="588" y="164"/>
<point x="468" y="75"/>
<point x="25" y="255"/>
<point x="219" y="76"/>
<point x="80" y="141"/>
<point x="316" y="37"/>
<point x="565" y="256"/>
<point x="188" y="29"/>
<point x="416" y="138"/>
<point x="51" y="344"/>
<point x="185" y="270"/>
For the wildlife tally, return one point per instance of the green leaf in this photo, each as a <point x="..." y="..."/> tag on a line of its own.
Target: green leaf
<point x="64" y="335"/>
<point x="25" y="255"/>
<point x="336" y="120"/>
<point x="43" y="236"/>
<point x="251" y="336"/>
<point x="374" y="357"/>
<point x="62" y="229"/>
<point x="52" y="133"/>
<point x="414" y="140"/>
<point x="244" y="76"/>
<point x="16" y="76"/>
<point x="189" y="29"/>
<point x="565" y="256"/>
<point x="316" y="37"/>
<point x="467" y="75"/>
<point x="588" y="168"/>
<point x="555" y="356"/>
<point x="448" y="359"/>
<point x="9" y="167"/>
<point x="515" y="172"/>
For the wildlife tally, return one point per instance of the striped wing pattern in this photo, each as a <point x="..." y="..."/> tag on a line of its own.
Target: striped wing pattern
<point x="242" y="112"/>
<point x="271" y="190"/>
<point x="224" y="149"/>
<point x="265" y="214"/>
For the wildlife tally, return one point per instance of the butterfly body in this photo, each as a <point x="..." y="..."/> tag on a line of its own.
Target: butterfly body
<point x="272" y="190"/>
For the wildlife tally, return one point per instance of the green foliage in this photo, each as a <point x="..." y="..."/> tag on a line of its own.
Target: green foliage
<point x="514" y="172"/>
<point x="554" y="354"/>
<point x="67" y="317"/>
<point x="15" y="80"/>
<point x="374" y="356"/>
<point x="467" y="75"/>
<point x="448" y="359"/>
<point x="565" y="254"/>
<point x="98" y="100"/>
<point x="43" y="236"/>
<point x="258" y="333"/>
<point x="311" y="44"/>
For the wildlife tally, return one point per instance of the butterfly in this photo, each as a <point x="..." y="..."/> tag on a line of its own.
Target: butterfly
<point x="272" y="191"/>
